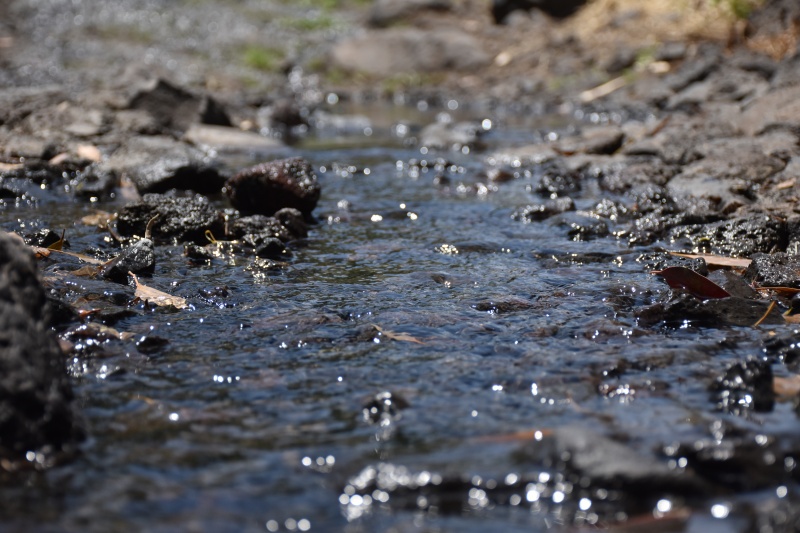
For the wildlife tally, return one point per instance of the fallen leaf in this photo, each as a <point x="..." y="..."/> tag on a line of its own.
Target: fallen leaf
<point x="692" y="282"/>
<point x="89" y="152"/>
<point x="397" y="336"/>
<point x="789" y="386"/>
<point x="791" y="319"/>
<point x="59" y="244"/>
<point x="717" y="260"/>
<point x="788" y="184"/>
<point x="99" y="219"/>
<point x="88" y="271"/>
<point x="783" y="291"/>
<point x="45" y="252"/>
<point x="156" y="297"/>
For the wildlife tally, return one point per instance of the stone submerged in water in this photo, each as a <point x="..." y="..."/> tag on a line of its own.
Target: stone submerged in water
<point x="266" y="188"/>
<point x="37" y="418"/>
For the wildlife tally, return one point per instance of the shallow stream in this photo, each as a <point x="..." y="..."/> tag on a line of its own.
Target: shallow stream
<point x="264" y="406"/>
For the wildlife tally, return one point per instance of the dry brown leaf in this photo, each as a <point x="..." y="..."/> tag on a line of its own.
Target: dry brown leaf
<point x="88" y="271"/>
<point x="99" y="219"/>
<point x="783" y="291"/>
<point x="397" y="336"/>
<point x="789" y="386"/>
<point x="792" y="319"/>
<point x="89" y="152"/>
<point x="45" y="252"/>
<point x="788" y="184"/>
<point x="156" y="297"/>
<point x="717" y="260"/>
<point x="59" y="244"/>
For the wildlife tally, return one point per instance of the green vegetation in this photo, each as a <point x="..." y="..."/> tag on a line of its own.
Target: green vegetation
<point x="265" y="59"/>
<point x="740" y="9"/>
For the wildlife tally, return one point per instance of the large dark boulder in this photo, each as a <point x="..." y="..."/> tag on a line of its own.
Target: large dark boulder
<point x="555" y="8"/>
<point x="266" y="188"/>
<point x="37" y="419"/>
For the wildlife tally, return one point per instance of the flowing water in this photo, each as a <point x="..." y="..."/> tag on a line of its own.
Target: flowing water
<point x="417" y="282"/>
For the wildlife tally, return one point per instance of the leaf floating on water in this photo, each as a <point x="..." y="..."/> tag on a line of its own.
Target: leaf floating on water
<point x="59" y="244"/>
<point x="42" y="253"/>
<point x="397" y="336"/>
<point x="717" y="260"/>
<point x="692" y="282"/>
<point x="99" y="219"/>
<point x="156" y="297"/>
<point x="787" y="387"/>
<point x="88" y="271"/>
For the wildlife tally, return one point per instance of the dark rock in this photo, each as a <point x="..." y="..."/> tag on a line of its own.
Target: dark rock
<point x="555" y="8"/>
<point x="95" y="182"/>
<point x="36" y="410"/>
<point x="739" y="237"/>
<point x="672" y="51"/>
<point x="176" y="109"/>
<point x="743" y="387"/>
<point x="785" y="347"/>
<point x="500" y="306"/>
<point x="384" y="408"/>
<point x="387" y="12"/>
<point x="601" y="461"/>
<point x="139" y="258"/>
<point x="269" y="187"/>
<point x="620" y="60"/>
<point x="179" y="219"/>
<point x="734" y="284"/>
<point x="16" y="103"/>
<point x="292" y="219"/>
<point x="634" y="172"/>
<point x="774" y="270"/>
<point x="683" y="310"/>
<point x="729" y="171"/>
<point x="259" y="225"/>
<point x="43" y="238"/>
<point x="406" y="50"/>
<point x="536" y="212"/>
<point x="695" y="69"/>
<point x="558" y="181"/>
<point x="582" y="227"/>
<point x="158" y="164"/>
<point x="267" y="247"/>
<point x="599" y="140"/>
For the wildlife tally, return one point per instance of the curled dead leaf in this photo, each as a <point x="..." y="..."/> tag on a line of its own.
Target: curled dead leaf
<point x="156" y="297"/>
<point x="692" y="282"/>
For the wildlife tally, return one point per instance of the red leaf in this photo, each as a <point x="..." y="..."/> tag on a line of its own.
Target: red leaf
<point x="692" y="282"/>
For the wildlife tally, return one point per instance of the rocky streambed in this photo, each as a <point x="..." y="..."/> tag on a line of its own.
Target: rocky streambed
<point x="320" y="310"/>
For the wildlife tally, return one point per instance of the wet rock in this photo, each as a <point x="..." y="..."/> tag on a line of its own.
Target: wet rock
<point x="743" y="463"/>
<point x="175" y="109"/>
<point x="500" y="306"/>
<point x="743" y="387"/>
<point x="683" y="309"/>
<point x="450" y="136"/>
<point x="139" y="258"/>
<point x="292" y="219"/>
<point x="36" y="410"/>
<point x="779" y="109"/>
<point x="179" y="219"/>
<point x="734" y="284"/>
<point x="581" y="226"/>
<point x="259" y="225"/>
<point x="404" y="50"/>
<point x="774" y="270"/>
<point x="558" y="181"/>
<point x="634" y="173"/>
<point x="95" y="182"/>
<point x="501" y="9"/>
<point x="158" y="164"/>
<point x="384" y="408"/>
<point x="603" y="462"/>
<point x="785" y="348"/>
<point x="267" y="247"/>
<point x="43" y="238"/>
<point x="387" y="12"/>
<point x="599" y="140"/>
<point x="269" y="187"/>
<point x="738" y="237"/>
<point x="536" y="212"/>
<point x="661" y="260"/>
